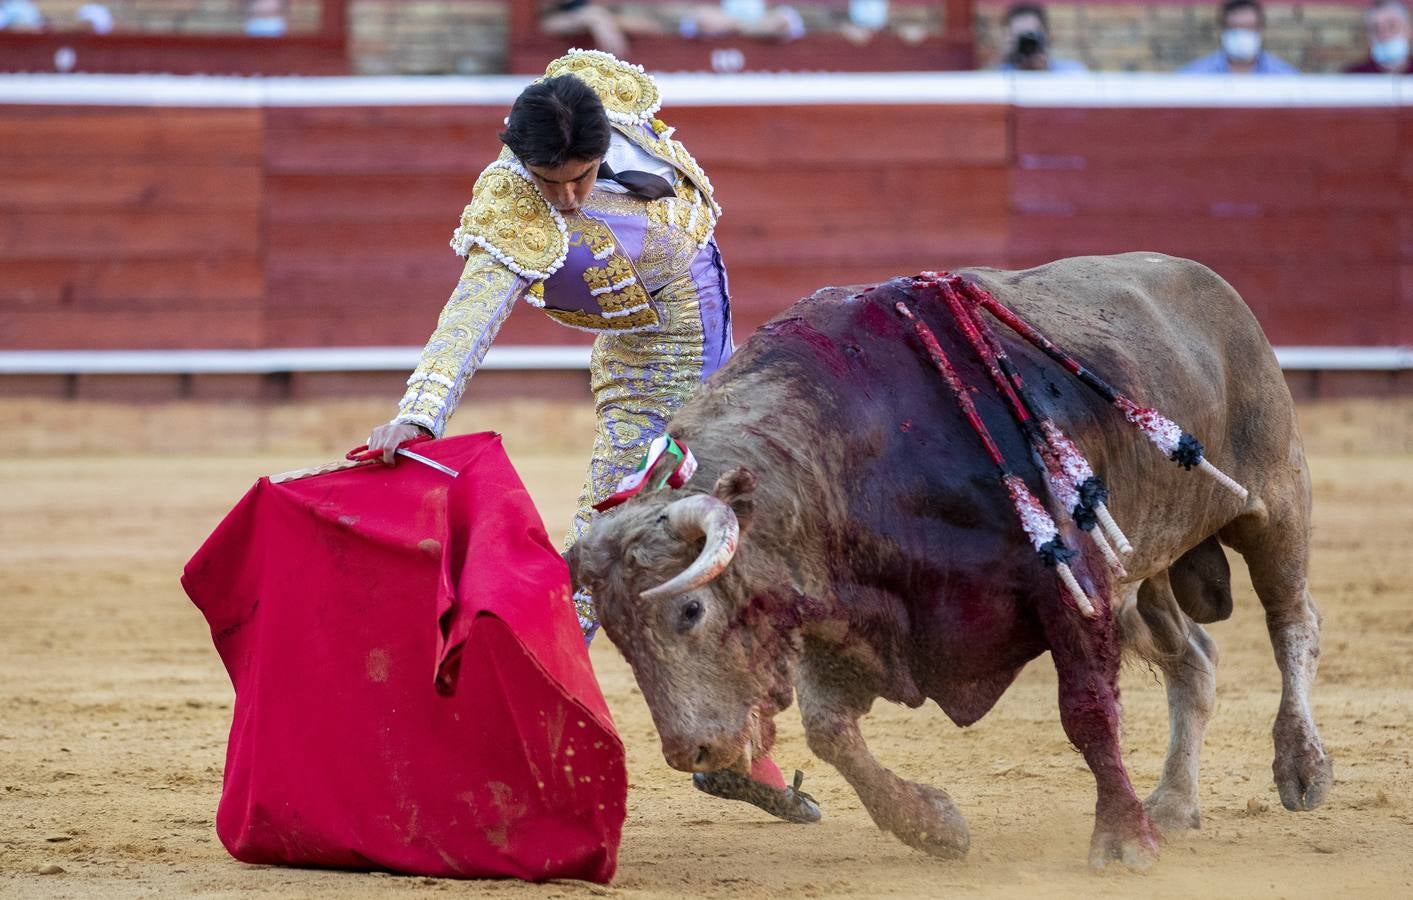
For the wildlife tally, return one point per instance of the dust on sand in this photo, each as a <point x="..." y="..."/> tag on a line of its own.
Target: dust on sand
<point x="114" y="707"/>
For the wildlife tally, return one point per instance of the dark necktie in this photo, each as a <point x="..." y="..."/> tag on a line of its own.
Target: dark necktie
<point x="640" y="184"/>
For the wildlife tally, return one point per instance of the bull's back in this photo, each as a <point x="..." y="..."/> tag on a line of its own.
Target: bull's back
<point x="1171" y="334"/>
<point x="915" y="525"/>
<point x="1133" y="313"/>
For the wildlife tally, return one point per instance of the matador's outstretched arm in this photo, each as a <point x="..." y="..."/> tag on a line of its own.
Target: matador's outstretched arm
<point x="468" y="324"/>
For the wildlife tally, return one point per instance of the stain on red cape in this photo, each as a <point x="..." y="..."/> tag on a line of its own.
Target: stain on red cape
<point x="412" y="691"/>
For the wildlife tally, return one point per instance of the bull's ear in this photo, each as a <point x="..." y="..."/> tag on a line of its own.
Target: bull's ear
<point x="571" y="559"/>
<point x="736" y="488"/>
<point x="580" y="567"/>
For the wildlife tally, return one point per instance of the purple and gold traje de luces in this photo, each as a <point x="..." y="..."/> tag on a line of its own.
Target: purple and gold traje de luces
<point x="645" y="275"/>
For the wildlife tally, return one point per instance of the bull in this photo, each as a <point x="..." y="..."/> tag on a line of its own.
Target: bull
<point x="845" y="539"/>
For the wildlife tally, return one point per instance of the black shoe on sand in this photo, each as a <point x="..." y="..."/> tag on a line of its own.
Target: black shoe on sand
<point x="790" y="804"/>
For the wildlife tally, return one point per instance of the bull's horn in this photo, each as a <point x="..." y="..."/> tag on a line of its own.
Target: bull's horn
<point x="691" y="516"/>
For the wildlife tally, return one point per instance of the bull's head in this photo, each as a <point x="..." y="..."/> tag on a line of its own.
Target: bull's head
<point x="693" y="613"/>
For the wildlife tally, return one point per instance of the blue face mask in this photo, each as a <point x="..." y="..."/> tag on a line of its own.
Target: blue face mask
<point x="1390" y="53"/>
<point x="265" y="26"/>
<point x="868" y="13"/>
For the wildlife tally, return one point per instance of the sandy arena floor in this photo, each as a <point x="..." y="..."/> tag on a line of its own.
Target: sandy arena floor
<point x="114" y="707"/>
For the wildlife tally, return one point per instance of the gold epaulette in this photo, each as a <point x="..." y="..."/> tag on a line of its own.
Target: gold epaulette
<point x="629" y="96"/>
<point x="511" y="220"/>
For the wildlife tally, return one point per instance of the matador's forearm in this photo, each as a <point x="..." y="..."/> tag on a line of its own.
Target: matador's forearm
<point x="468" y="324"/>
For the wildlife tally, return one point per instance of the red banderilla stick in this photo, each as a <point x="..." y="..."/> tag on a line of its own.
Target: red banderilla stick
<point x="1037" y="523"/>
<point x="1177" y="444"/>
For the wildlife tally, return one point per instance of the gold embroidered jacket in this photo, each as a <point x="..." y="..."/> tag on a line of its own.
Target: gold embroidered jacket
<point x="515" y="242"/>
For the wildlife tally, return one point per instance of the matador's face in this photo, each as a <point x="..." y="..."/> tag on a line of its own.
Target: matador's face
<point x="566" y="187"/>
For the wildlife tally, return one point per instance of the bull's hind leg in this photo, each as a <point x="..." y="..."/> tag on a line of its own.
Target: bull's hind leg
<point x="919" y="815"/>
<point x="1188" y="658"/>
<point x="1086" y="656"/>
<point x="1275" y="542"/>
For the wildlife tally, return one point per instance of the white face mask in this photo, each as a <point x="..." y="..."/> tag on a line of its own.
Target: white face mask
<point x="1390" y="53"/>
<point x="868" y="13"/>
<point x="1241" y="44"/>
<point x="744" y="10"/>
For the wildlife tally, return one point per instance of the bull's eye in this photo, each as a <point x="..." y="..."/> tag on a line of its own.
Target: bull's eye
<point x="691" y="613"/>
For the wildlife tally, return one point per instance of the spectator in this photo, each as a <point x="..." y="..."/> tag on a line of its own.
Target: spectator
<point x="1387" y="23"/>
<point x="748" y="18"/>
<point x="1243" y="24"/>
<point x="1028" y="42"/>
<point x="265" y="18"/>
<point x="97" y="17"/>
<point x="864" y="19"/>
<point x="607" y="29"/>
<point x="20" y="15"/>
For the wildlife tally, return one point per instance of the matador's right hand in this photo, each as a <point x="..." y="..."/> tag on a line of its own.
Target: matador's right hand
<point x="385" y="438"/>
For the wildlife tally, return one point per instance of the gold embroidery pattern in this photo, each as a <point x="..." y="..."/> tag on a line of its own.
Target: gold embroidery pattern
<point x="639" y="382"/>
<point x="638" y="320"/>
<point x="626" y="90"/>
<point x="694" y="219"/>
<point x="606" y="278"/>
<point x="611" y="203"/>
<point x="473" y="315"/>
<point x="667" y="251"/>
<point x="624" y="302"/>
<point x="508" y="217"/>
<point x="679" y="155"/>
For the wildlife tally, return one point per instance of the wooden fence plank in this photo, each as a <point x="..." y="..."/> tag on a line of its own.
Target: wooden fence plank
<point x="870" y="136"/>
<point x="308" y="197"/>
<point x="173" y="328"/>
<point x="1251" y="187"/>
<point x="1318" y="301"/>
<point x="1352" y="237"/>
<point x="47" y="185"/>
<point x="377" y="140"/>
<point x="122" y="234"/>
<point x="110" y="133"/>
<point x="1349" y="137"/>
<point x="96" y="282"/>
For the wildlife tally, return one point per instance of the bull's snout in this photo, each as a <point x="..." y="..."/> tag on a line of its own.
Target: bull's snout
<point x="694" y="755"/>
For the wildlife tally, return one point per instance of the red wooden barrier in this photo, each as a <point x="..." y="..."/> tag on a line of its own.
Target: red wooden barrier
<point x="290" y="227"/>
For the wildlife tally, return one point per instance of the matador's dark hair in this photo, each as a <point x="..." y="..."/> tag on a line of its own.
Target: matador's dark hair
<point x="555" y="121"/>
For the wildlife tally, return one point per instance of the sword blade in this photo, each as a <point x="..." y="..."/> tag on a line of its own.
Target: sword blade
<point x="417" y="457"/>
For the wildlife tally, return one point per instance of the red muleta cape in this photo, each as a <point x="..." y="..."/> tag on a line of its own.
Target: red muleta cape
<point x="412" y="690"/>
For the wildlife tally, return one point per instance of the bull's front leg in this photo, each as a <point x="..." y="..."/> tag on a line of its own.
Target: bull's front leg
<point x="1086" y="656"/>
<point x="920" y="815"/>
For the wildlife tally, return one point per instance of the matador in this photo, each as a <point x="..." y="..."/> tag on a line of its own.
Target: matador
<point x="611" y="233"/>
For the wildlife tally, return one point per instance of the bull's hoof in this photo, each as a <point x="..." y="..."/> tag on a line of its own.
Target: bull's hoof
<point x="933" y="824"/>
<point x="1137" y="851"/>
<point x="1303" y="778"/>
<point x="1172" y="814"/>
